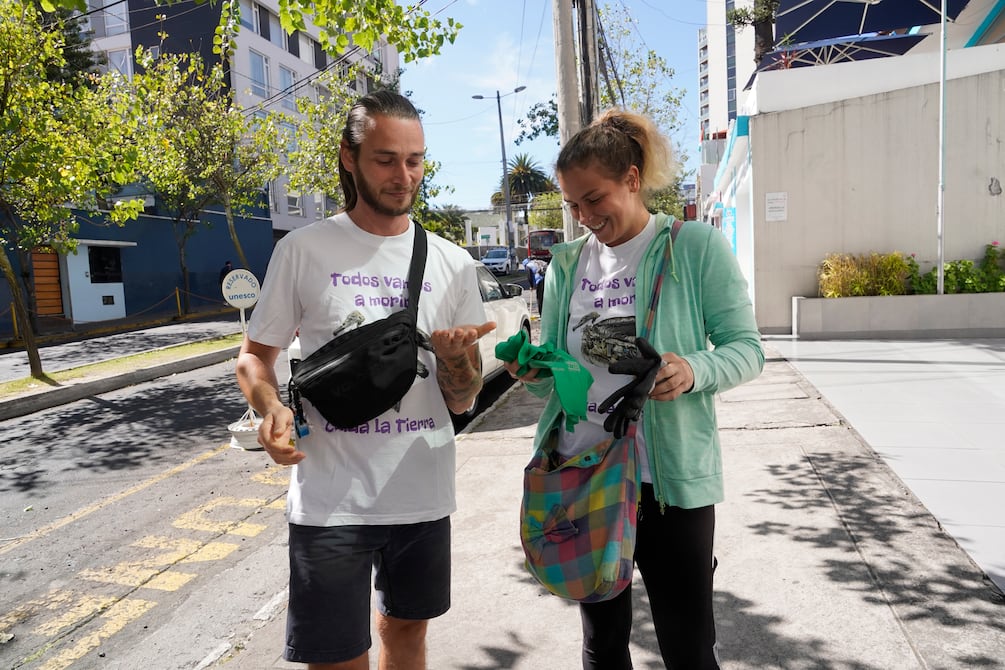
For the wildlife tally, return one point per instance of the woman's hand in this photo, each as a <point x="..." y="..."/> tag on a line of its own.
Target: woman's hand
<point x="674" y="379"/>
<point x="513" y="367"/>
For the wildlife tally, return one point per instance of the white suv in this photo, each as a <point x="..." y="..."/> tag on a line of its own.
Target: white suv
<point x="498" y="261"/>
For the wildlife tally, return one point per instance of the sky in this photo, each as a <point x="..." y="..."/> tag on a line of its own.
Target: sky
<point x="505" y="44"/>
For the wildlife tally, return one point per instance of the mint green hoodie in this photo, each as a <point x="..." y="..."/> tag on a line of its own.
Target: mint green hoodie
<point x="704" y="315"/>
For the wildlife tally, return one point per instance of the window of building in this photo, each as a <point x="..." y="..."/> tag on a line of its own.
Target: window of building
<point x="287" y="82"/>
<point x="262" y="21"/>
<point x="248" y="15"/>
<point x="294" y="203"/>
<point x="290" y="135"/>
<point x="320" y="57"/>
<point x="120" y="61"/>
<point x="271" y="193"/>
<point x="276" y="33"/>
<point x="116" y="17"/>
<point x="259" y="73"/>
<point x="105" y="265"/>
<point x="293" y="43"/>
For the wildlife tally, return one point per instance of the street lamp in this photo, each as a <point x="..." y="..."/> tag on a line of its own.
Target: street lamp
<point x="502" y="144"/>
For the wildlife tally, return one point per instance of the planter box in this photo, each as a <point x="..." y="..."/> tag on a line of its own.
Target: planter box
<point x="965" y="315"/>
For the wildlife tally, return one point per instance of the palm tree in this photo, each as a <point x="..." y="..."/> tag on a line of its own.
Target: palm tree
<point x="526" y="178"/>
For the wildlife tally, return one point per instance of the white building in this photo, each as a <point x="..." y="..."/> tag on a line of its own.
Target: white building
<point x="845" y="158"/>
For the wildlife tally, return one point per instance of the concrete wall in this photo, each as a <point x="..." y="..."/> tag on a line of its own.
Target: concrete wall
<point x="911" y="316"/>
<point x="861" y="175"/>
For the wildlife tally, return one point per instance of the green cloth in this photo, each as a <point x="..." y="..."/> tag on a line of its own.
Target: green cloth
<point x="572" y="380"/>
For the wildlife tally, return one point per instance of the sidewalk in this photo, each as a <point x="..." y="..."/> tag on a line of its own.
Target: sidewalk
<point x="826" y="559"/>
<point x="108" y="343"/>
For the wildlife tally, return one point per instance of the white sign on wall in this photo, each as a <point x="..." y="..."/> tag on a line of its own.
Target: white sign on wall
<point x="776" y="206"/>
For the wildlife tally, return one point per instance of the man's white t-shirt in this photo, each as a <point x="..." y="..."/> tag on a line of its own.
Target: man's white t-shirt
<point x="602" y="330"/>
<point x="333" y="276"/>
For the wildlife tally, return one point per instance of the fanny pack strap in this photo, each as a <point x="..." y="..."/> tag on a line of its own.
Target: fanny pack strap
<point x="416" y="269"/>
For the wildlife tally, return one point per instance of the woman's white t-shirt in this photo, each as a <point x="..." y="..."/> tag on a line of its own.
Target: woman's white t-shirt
<point x="602" y="330"/>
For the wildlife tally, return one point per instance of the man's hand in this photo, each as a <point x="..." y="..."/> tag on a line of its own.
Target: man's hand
<point x="458" y="365"/>
<point x="453" y="342"/>
<point x="274" y="434"/>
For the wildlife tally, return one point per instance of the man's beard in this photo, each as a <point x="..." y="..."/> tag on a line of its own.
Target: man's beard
<point x="370" y="198"/>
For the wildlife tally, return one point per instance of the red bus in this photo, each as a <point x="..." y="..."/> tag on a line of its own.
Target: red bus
<point x="539" y="242"/>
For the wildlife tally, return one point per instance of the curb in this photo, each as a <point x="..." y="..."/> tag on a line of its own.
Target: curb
<point x="62" y="395"/>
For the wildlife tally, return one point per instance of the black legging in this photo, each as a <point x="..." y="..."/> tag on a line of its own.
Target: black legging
<point x="673" y="552"/>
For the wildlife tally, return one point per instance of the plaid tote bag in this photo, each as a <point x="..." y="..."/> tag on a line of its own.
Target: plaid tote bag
<point x="578" y="519"/>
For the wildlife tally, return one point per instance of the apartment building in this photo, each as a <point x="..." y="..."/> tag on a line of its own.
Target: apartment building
<point x="269" y="70"/>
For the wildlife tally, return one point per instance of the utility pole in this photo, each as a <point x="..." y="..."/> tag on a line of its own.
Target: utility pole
<point x="566" y="75"/>
<point x="590" y="85"/>
<point x="510" y="234"/>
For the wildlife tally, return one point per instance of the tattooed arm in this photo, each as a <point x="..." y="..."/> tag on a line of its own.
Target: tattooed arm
<point x="458" y="366"/>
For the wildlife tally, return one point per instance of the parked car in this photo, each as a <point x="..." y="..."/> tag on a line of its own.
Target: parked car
<point x="504" y="304"/>
<point x="499" y="261"/>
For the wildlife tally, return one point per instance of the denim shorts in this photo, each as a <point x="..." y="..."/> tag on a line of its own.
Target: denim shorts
<point x="329" y="614"/>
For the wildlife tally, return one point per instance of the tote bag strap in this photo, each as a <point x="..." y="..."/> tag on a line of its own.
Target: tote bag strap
<point x="660" y="274"/>
<point x="657" y="286"/>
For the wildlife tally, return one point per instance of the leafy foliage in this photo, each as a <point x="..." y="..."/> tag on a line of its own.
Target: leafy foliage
<point x="447" y="222"/>
<point x="846" y="275"/>
<point x="762" y="18"/>
<point x="636" y="78"/>
<point x="195" y="146"/>
<point x="541" y="121"/>
<point x="546" y="211"/>
<point x="59" y="143"/>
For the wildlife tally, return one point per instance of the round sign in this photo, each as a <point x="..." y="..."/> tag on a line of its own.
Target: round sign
<point x="240" y="289"/>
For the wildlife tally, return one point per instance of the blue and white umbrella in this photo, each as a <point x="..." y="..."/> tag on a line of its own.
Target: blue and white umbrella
<point x="813" y="20"/>
<point x="840" y="50"/>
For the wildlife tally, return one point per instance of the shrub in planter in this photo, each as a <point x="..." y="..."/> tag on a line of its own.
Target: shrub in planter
<point x="963" y="276"/>
<point x="843" y="275"/>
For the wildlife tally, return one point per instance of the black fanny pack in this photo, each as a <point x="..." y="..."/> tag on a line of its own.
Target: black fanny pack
<point x="363" y="373"/>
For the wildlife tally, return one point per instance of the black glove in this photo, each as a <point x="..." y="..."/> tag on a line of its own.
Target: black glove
<point x="634" y="394"/>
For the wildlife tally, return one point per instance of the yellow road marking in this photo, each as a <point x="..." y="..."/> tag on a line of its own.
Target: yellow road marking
<point x="198" y="519"/>
<point x="101" y="504"/>
<point x="154" y="572"/>
<point x="86" y="606"/>
<point x="116" y="618"/>
<point x="274" y="476"/>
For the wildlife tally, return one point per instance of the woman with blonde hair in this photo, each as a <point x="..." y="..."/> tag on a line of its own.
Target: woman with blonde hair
<point x="701" y="339"/>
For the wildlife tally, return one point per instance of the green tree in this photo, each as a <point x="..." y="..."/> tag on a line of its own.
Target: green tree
<point x="634" y="77"/>
<point x="184" y="107"/>
<point x="546" y="211"/>
<point x="541" y="121"/>
<point x="59" y="144"/>
<point x="414" y="32"/>
<point x="762" y="18"/>
<point x="80" y="62"/>
<point x="526" y="180"/>
<point x="448" y="222"/>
